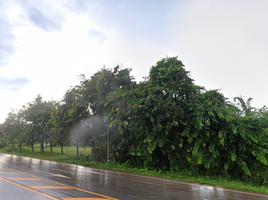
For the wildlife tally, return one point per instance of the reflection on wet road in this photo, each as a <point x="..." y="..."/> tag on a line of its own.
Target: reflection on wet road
<point x="28" y="178"/>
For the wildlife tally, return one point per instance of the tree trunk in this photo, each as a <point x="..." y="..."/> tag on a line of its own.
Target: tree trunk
<point x="77" y="149"/>
<point x="51" y="144"/>
<point x="32" y="146"/>
<point x="61" y="148"/>
<point x="108" y="142"/>
<point x="42" y="147"/>
<point x="115" y="156"/>
<point x="20" y="146"/>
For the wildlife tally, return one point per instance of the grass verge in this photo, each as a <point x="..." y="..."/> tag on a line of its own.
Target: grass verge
<point x="69" y="156"/>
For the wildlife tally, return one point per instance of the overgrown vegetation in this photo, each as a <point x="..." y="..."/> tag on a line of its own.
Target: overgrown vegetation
<point x="165" y="124"/>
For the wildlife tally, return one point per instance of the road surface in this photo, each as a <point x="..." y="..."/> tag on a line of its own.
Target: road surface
<point x="28" y="178"/>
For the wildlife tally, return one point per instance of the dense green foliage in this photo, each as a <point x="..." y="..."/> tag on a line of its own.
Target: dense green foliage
<point x="164" y="123"/>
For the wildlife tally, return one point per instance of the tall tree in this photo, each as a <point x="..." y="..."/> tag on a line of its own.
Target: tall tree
<point x="77" y="110"/>
<point x="225" y="140"/>
<point x="68" y="114"/>
<point x="95" y="93"/>
<point x="11" y="128"/>
<point x="37" y="115"/>
<point x="155" y="115"/>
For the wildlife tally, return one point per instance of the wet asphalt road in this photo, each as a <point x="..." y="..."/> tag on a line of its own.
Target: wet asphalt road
<point x="27" y="178"/>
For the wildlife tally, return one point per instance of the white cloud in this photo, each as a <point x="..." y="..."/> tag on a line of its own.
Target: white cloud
<point x="50" y="61"/>
<point x="49" y="43"/>
<point x="224" y="44"/>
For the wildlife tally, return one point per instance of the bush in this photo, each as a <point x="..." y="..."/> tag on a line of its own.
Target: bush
<point x="3" y="143"/>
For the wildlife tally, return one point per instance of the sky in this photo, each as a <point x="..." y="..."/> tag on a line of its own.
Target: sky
<point x="45" y="45"/>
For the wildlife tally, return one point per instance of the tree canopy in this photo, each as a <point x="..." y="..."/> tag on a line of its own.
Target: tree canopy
<point x="164" y="123"/>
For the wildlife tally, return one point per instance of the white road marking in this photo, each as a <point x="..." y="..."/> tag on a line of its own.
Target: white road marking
<point x="57" y="175"/>
<point x="85" y="171"/>
<point x="62" y="170"/>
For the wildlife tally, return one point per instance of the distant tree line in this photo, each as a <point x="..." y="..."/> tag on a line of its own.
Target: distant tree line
<point x="164" y="123"/>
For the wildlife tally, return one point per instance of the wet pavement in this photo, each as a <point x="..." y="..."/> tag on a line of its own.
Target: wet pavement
<point x="28" y="178"/>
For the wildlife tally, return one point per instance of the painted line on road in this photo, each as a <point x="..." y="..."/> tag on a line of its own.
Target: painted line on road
<point x="9" y="173"/>
<point x="91" y="172"/>
<point x="51" y="197"/>
<point x="62" y="176"/>
<point x="49" y="187"/>
<point x="58" y="175"/>
<point x="61" y="170"/>
<point x="83" y="199"/>
<point x="25" y="179"/>
<point x="70" y="187"/>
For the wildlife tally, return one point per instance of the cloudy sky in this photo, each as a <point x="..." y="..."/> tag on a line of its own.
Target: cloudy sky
<point x="45" y="44"/>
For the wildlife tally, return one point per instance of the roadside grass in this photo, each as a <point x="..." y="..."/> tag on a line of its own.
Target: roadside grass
<point x="69" y="152"/>
<point x="69" y="156"/>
